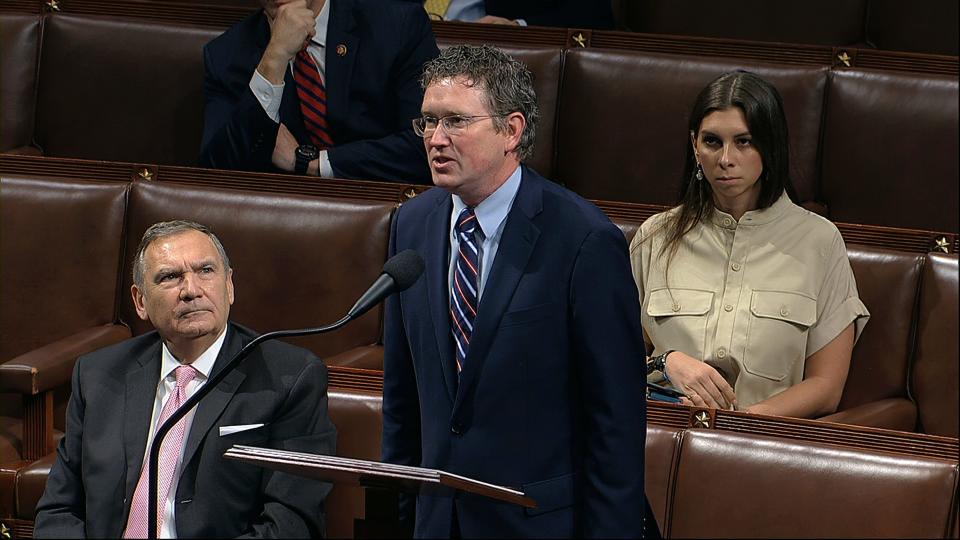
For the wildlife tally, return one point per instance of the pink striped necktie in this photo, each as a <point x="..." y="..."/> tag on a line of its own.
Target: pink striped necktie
<point x="313" y="99"/>
<point x="169" y="456"/>
<point x="464" y="294"/>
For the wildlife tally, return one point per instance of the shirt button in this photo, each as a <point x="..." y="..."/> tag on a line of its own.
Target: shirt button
<point x="727" y="222"/>
<point x="784" y="311"/>
<point x="728" y="307"/>
<point x="735" y="266"/>
<point x="676" y="306"/>
<point x="721" y="352"/>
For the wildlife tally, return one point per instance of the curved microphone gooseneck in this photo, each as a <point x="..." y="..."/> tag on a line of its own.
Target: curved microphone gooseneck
<point x="399" y="273"/>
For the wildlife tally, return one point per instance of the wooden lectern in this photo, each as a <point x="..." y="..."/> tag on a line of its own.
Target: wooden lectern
<point x="382" y="483"/>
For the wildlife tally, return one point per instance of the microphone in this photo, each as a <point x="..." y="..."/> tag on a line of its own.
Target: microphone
<point x="399" y="273"/>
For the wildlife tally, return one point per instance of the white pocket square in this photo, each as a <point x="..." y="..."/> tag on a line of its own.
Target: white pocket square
<point x="230" y="430"/>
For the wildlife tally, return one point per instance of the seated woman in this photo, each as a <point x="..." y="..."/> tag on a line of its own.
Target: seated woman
<point x="748" y="300"/>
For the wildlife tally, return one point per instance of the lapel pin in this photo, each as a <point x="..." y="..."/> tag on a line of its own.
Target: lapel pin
<point x="341" y="50"/>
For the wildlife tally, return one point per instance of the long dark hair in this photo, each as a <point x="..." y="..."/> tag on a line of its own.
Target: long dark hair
<point x="763" y="109"/>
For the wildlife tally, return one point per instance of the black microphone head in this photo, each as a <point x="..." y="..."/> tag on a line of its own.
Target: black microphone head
<point x="405" y="268"/>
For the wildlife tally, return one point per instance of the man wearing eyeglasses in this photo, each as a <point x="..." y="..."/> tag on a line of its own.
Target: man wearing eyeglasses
<point x="518" y="358"/>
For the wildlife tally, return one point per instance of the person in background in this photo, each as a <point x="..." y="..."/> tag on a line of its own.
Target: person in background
<point x="748" y="300"/>
<point x="319" y="87"/>
<point x="595" y="14"/>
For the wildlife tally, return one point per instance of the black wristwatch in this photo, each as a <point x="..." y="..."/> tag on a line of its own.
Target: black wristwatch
<point x="658" y="363"/>
<point x="305" y="153"/>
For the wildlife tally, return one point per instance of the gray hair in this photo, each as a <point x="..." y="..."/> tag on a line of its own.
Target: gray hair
<point x="164" y="229"/>
<point x="508" y="84"/>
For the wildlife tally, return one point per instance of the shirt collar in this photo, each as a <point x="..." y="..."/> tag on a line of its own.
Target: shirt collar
<point x="203" y="364"/>
<point x="753" y="217"/>
<point x="492" y="212"/>
<point x="320" y="38"/>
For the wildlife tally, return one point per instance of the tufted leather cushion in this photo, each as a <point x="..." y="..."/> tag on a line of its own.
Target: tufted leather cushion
<point x="623" y="121"/>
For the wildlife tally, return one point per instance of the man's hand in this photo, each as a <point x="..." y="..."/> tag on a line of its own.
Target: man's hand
<point x="284" y="156"/>
<point x="703" y="385"/>
<point x="493" y="19"/>
<point x="290" y="30"/>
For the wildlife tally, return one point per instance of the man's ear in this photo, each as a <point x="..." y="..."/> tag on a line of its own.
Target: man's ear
<point x="516" y="123"/>
<point x="230" y="286"/>
<point x="139" y="302"/>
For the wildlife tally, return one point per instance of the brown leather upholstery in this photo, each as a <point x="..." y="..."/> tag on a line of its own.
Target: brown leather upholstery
<point x="884" y="142"/>
<point x="927" y="26"/>
<point x="544" y="63"/>
<point x="736" y="485"/>
<point x="622" y="132"/>
<point x="935" y="367"/>
<point x="19" y="41"/>
<point x="140" y="101"/>
<point x="298" y="262"/>
<point x="813" y="21"/>
<point x="359" y="421"/>
<point x="888" y="282"/>
<point x="30" y="485"/>
<point x="662" y="454"/>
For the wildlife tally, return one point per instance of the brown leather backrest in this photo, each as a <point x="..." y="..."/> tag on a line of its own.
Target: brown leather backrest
<point x="622" y="133"/>
<point x="824" y="22"/>
<point x="924" y="26"/>
<point x="298" y="261"/>
<point x="661" y="452"/>
<point x="888" y="282"/>
<point x="19" y="42"/>
<point x="60" y="246"/>
<point x="359" y="421"/>
<point x="738" y="485"/>
<point x="121" y="89"/>
<point x="544" y="63"/>
<point x="890" y="149"/>
<point x="936" y="364"/>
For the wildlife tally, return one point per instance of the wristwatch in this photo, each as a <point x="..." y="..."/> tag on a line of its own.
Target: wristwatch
<point x="658" y="363"/>
<point x="304" y="154"/>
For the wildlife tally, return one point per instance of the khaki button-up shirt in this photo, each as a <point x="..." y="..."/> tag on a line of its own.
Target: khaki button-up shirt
<point x="763" y="293"/>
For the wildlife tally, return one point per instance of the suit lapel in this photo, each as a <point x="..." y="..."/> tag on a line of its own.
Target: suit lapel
<point x="436" y="255"/>
<point x="212" y="405"/>
<point x="516" y="245"/>
<point x="141" y="391"/>
<point x="341" y="52"/>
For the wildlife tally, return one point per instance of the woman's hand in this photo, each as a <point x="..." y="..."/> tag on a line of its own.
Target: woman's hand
<point x="703" y="385"/>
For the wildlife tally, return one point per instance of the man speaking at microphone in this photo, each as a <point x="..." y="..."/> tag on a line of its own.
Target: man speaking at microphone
<point x="277" y="398"/>
<point x="518" y="359"/>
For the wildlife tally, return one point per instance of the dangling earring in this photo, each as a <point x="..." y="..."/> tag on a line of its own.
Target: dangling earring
<point x="699" y="174"/>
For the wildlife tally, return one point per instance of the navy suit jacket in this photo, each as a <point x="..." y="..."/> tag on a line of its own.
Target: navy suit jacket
<point x="108" y="418"/>
<point x="568" y="13"/>
<point x="373" y="93"/>
<point x="551" y="397"/>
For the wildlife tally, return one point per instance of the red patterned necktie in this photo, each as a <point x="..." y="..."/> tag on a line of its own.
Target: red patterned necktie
<point x="169" y="456"/>
<point x="464" y="294"/>
<point x="313" y="99"/>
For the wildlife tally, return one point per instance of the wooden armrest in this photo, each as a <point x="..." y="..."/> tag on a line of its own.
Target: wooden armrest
<point x="50" y="366"/>
<point x="890" y="413"/>
<point x="24" y="151"/>
<point x="367" y="357"/>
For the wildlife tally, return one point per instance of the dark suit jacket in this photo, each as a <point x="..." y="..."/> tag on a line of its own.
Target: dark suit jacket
<point x="373" y="93"/>
<point x="551" y="397"/>
<point x="108" y="417"/>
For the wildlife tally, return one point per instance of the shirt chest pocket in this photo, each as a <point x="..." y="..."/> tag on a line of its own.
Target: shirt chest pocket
<point x="777" y="336"/>
<point x="677" y="319"/>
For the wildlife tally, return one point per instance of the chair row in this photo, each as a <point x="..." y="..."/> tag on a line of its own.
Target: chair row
<point x="867" y="144"/>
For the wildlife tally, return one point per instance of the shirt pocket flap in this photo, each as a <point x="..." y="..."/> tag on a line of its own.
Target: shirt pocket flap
<point x="671" y="302"/>
<point x="785" y="306"/>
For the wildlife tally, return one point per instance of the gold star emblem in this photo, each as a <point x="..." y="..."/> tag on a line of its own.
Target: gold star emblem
<point x="53" y="5"/>
<point x="844" y="57"/>
<point x="146" y="174"/>
<point x="942" y="244"/>
<point x="4" y="531"/>
<point x="581" y="41"/>
<point x="701" y="419"/>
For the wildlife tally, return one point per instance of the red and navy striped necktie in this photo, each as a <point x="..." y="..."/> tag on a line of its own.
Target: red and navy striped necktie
<point x="313" y="99"/>
<point x="464" y="293"/>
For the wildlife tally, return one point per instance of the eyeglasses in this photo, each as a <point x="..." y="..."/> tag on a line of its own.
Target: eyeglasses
<point x="453" y="124"/>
